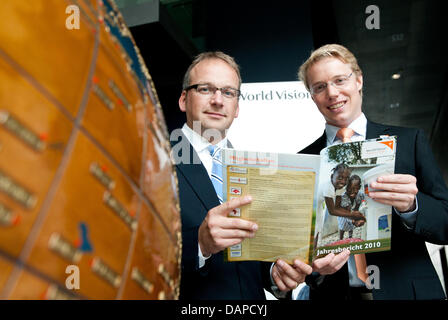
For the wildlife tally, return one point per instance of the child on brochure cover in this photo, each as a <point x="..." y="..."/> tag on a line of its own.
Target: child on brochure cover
<point x="351" y="200"/>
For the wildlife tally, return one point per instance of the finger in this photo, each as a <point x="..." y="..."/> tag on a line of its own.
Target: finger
<point x="333" y="264"/>
<point x="395" y="187"/>
<point x="210" y="244"/>
<point x="289" y="272"/>
<point x="221" y="244"/>
<point x="288" y="276"/>
<point x="232" y="233"/>
<point x="322" y="262"/>
<point x="392" y="197"/>
<point x="225" y="208"/>
<point x="302" y="267"/>
<point x="278" y="280"/>
<point x="397" y="178"/>
<point x="389" y="202"/>
<point x="237" y="224"/>
<point x="341" y="258"/>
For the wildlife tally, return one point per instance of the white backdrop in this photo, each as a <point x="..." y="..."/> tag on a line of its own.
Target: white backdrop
<point x="276" y="117"/>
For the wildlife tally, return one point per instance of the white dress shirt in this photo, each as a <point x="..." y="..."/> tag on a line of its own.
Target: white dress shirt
<point x="200" y="145"/>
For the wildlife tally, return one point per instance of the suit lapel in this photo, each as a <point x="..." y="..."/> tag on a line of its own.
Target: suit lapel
<point x="197" y="177"/>
<point x="374" y="130"/>
<point x="321" y="142"/>
<point x="195" y="174"/>
<point x="316" y="146"/>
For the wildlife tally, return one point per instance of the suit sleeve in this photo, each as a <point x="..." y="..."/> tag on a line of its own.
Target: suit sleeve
<point x="189" y="209"/>
<point x="432" y="215"/>
<point x="190" y="260"/>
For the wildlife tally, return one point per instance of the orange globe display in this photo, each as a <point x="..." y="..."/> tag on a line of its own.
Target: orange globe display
<point x="88" y="195"/>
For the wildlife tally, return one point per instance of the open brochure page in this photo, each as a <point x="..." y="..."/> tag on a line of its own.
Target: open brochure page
<point x="283" y="190"/>
<point x="346" y="216"/>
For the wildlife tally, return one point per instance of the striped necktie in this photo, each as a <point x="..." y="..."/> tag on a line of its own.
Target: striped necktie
<point x="346" y="134"/>
<point x="216" y="176"/>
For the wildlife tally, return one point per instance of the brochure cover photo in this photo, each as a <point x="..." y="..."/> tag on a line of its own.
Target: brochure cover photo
<point x="346" y="217"/>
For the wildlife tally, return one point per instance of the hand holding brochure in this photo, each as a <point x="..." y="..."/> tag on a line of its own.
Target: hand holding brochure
<point x="307" y="206"/>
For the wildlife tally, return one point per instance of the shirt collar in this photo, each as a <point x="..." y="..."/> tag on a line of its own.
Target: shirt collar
<point x="198" y="142"/>
<point x="359" y="125"/>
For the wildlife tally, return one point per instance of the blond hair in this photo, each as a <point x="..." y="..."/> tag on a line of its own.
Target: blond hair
<point x="211" y="55"/>
<point x="329" y="51"/>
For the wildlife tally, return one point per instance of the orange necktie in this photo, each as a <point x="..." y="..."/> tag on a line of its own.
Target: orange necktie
<point x="345" y="134"/>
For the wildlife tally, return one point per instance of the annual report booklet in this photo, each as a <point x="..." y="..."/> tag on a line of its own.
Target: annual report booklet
<point x="307" y="206"/>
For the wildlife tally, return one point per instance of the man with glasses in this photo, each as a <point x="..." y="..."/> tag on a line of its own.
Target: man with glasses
<point x="416" y="192"/>
<point x="209" y="98"/>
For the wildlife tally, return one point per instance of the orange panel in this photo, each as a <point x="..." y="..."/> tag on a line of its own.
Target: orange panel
<point x="32" y="169"/>
<point x="5" y="270"/>
<point x="104" y="109"/>
<point x="105" y="228"/>
<point x="38" y="49"/>
<point x="154" y="256"/>
<point x="160" y="180"/>
<point x="32" y="287"/>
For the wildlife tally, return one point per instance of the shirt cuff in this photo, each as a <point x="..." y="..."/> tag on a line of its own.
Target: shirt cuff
<point x="201" y="258"/>
<point x="409" y="218"/>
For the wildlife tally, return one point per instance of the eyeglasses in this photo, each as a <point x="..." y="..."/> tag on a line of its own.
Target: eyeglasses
<point x="338" y="82"/>
<point x="209" y="90"/>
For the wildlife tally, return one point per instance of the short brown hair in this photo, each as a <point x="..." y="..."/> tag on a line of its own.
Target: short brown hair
<point x="211" y="55"/>
<point x="329" y="51"/>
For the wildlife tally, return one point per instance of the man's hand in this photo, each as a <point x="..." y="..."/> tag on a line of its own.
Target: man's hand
<point x="331" y="262"/>
<point x="288" y="277"/>
<point x="218" y="231"/>
<point x="397" y="190"/>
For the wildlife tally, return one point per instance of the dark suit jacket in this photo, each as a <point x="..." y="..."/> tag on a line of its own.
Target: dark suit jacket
<point x="217" y="279"/>
<point x="406" y="271"/>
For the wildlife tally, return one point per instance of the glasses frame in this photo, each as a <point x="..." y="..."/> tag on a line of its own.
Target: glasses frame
<point x="213" y="90"/>
<point x="346" y="78"/>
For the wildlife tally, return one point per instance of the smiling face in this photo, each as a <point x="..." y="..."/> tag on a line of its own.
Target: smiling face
<point x="339" y="178"/>
<point x="339" y="106"/>
<point x="353" y="188"/>
<point x="211" y="111"/>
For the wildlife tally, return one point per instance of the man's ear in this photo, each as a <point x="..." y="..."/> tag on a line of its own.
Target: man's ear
<point x="183" y="101"/>
<point x="359" y="82"/>
<point x="237" y="110"/>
